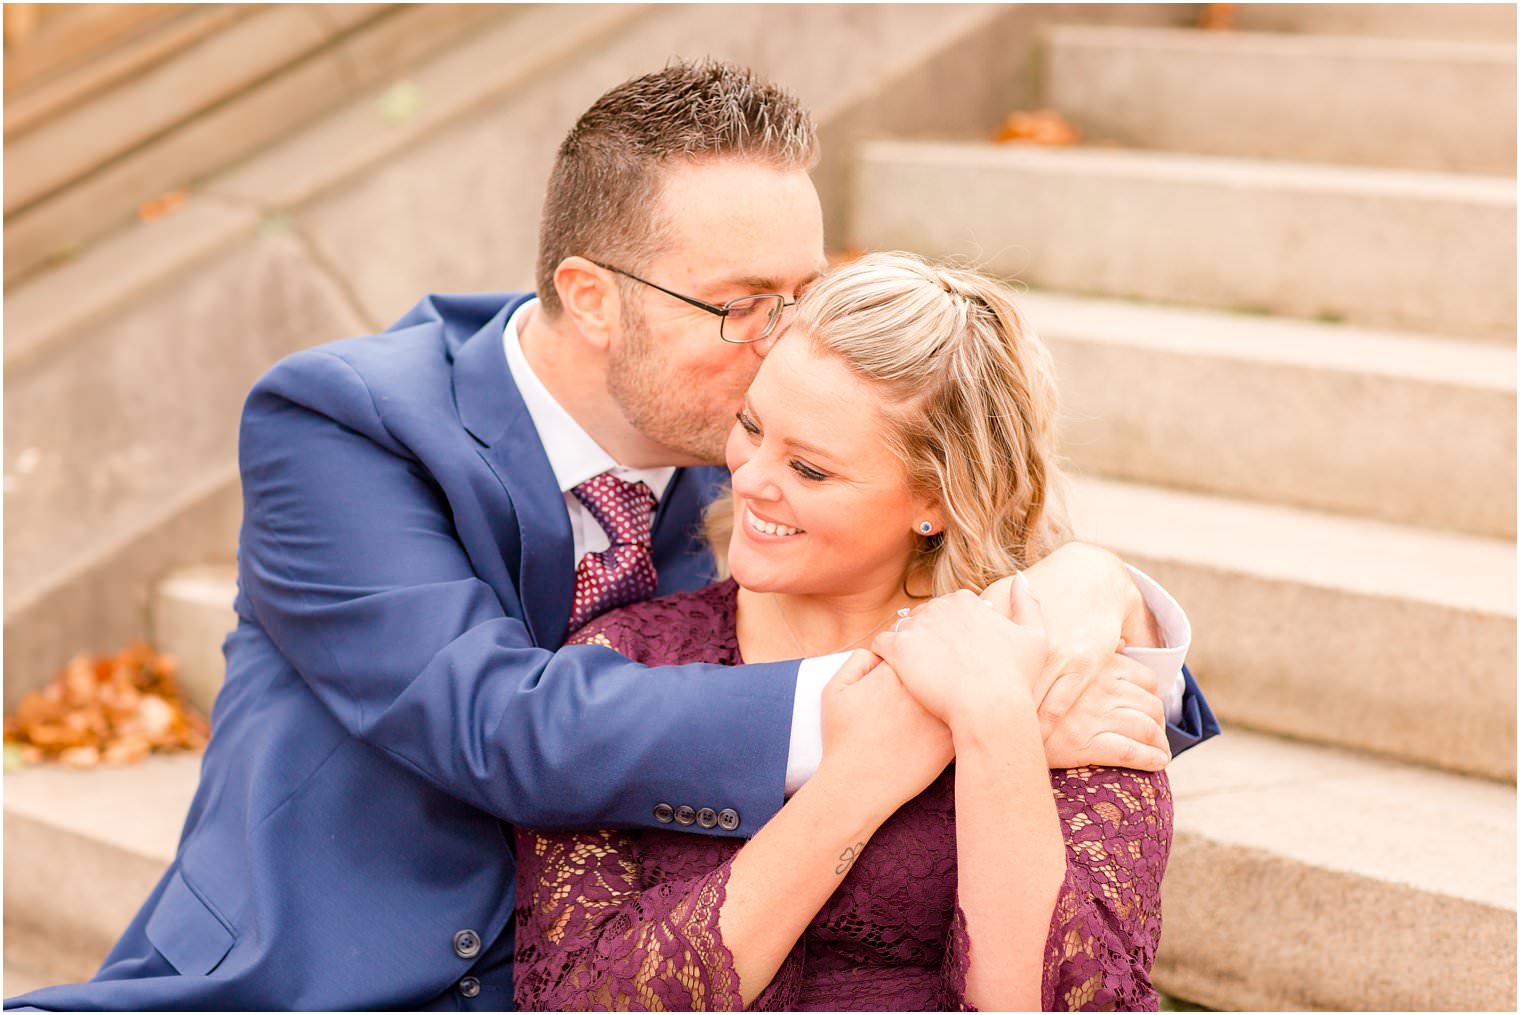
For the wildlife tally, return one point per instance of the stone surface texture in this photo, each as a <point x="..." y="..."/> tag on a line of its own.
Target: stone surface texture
<point x="1477" y="22"/>
<point x="1359" y="101"/>
<point x="82" y="852"/>
<point x="1343" y="419"/>
<point x="1387" y="248"/>
<point x="1338" y="630"/>
<point x="1305" y="878"/>
<point x="192" y="615"/>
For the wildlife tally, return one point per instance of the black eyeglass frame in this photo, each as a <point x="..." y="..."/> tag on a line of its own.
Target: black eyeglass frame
<point x="720" y="312"/>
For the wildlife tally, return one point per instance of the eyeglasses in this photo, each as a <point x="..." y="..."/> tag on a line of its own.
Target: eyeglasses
<point x="742" y="321"/>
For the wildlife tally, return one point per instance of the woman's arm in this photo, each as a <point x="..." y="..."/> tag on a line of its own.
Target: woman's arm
<point x="1058" y="892"/>
<point x="1010" y="857"/>
<point x="976" y="670"/>
<point x="593" y="933"/>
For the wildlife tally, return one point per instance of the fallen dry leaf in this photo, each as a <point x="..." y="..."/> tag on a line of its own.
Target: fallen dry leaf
<point x="1217" y="17"/>
<point x="113" y="710"/>
<point x="1041" y="127"/>
<point x="161" y="206"/>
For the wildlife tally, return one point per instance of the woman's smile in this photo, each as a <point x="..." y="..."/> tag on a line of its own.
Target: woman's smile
<point x="765" y="529"/>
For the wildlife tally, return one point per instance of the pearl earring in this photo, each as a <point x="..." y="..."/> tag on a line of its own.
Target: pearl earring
<point x="926" y="527"/>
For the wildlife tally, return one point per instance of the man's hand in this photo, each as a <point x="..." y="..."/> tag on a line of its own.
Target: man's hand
<point x="1105" y="714"/>
<point x="1096" y="707"/>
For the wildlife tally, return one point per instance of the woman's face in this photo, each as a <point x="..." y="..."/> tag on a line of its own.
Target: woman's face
<point x="821" y="504"/>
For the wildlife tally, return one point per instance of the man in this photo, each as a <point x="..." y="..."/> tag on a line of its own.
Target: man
<point x="427" y="514"/>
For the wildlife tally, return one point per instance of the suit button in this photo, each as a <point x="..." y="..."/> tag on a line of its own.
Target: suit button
<point x="728" y="818"/>
<point x="707" y="817"/>
<point x="467" y="944"/>
<point x="469" y="987"/>
<point x="685" y="815"/>
<point x="664" y="813"/>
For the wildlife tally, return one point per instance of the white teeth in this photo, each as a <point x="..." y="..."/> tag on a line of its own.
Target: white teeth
<point x="769" y="528"/>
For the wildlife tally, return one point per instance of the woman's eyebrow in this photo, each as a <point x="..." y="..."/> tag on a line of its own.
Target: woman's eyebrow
<point x="812" y="449"/>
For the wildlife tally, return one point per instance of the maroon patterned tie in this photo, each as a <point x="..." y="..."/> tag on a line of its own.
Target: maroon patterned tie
<point x="624" y="572"/>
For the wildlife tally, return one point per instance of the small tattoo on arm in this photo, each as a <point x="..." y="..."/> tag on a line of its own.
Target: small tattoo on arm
<point x="848" y="857"/>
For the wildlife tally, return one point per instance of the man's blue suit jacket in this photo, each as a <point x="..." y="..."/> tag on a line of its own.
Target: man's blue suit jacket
<point x="391" y="698"/>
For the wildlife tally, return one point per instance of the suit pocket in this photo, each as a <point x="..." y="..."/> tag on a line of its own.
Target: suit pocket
<point x="186" y="931"/>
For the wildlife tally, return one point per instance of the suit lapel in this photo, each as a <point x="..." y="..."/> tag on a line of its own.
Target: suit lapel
<point x="680" y="556"/>
<point x="492" y="410"/>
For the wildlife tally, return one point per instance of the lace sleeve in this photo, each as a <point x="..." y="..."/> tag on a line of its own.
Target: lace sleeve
<point x="591" y="935"/>
<point x="1107" y="920"/>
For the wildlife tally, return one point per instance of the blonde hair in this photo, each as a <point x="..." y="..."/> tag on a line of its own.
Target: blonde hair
<point x="969" y="402"/>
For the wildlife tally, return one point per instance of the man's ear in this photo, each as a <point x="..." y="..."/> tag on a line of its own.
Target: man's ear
<point x="589" y="297"/>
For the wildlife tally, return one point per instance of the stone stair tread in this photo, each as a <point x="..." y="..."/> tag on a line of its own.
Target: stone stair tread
<point x="1299" y="546"/>
<point x="1391" y="248"/>
<point x="1247" y="42"/>
<point x="1183" y="168"/>
<point x="1416" y="103"/>
<point x="139" y="809"/>
<point x="1265" y="339"/>
<point x="1399" y="824"/>
<point x="1384" y="20"/>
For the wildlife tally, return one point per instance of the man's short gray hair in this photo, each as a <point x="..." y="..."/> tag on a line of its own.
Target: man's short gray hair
<point x="602" y="200"/>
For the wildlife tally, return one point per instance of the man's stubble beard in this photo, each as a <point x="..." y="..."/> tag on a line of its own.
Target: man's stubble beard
<point x="650" y="400"/>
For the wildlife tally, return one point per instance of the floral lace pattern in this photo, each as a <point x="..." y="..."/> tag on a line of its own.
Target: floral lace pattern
<point x="628" y="919"/>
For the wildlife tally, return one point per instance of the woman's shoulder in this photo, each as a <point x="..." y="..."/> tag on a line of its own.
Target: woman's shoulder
<point x="685" y="627"/>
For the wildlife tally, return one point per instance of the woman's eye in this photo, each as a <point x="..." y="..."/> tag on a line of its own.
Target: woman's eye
<point x="806" y="471"/>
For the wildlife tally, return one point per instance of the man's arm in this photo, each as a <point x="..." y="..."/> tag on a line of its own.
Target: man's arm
<point x="1088" y="709"/>
<point x="351" y="563"/>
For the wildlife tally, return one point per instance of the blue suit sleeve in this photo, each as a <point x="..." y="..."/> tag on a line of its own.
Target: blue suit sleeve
<point x="350" y="562"/>
<point x="1197" y="722"/>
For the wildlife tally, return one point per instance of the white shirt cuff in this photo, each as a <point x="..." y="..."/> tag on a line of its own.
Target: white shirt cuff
<point x="1176" y="635"/>
<point x="806" y="750"/>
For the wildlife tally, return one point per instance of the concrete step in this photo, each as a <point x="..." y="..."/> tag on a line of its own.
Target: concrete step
<point x="1382" y="247"/>
<point x="82" y="852"/>
<point x="258" y="76"/>
<point x="1413" y="104"/>
<point x="1481" y="22"/>
<point x="1312" y="879"/>
<point x="1413" y="429"/>
<point x="192" y="615"/>
<point x="124" y="368"/>
<point x="1341" y="631"/>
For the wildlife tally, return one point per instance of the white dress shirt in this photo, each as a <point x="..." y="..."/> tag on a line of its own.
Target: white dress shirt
<point x="572" y="454"/>
<point x="575" y="457"/>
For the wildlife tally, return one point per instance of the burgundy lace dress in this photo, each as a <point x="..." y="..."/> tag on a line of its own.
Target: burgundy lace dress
<point x="628" y="919"/>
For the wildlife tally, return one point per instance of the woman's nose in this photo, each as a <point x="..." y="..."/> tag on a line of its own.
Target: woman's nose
<point x="752" y="480"/>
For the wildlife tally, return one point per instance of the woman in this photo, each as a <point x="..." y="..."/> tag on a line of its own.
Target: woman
<point x="896" y="445"/>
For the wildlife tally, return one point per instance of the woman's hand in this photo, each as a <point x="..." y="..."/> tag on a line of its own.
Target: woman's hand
<point x="962" y="659"/>
<point x="878" y="742"/>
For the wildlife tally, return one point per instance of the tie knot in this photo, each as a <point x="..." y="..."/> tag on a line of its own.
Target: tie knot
<point x="624" y="510"/>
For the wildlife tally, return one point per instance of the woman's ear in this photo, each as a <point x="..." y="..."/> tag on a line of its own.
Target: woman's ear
<point x="928" y="518"/>
<point x="589" y="297"/>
